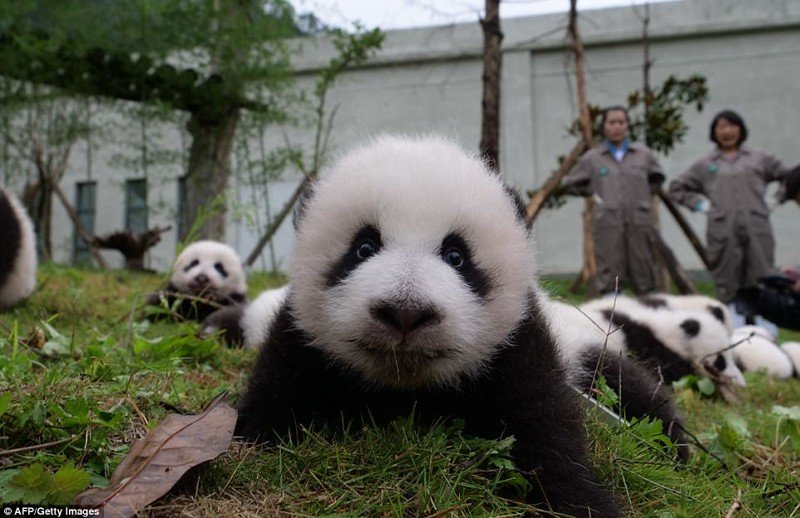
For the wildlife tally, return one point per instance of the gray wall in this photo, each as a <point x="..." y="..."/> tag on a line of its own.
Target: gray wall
<point x="429" y="80"/>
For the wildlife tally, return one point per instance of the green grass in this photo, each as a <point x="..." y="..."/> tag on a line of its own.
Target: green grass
<point x="81" y="377"/>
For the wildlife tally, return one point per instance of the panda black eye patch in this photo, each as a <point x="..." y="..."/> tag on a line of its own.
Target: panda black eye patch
<point x="365" y="244"/>
<point x="192" y="265"/>
<point x="221" y="269"/>
<point x="720" y="363"/>
<point x="455" y="252"/>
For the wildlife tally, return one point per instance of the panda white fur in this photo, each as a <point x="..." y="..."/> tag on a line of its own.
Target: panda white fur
<point x="247" y="324"/>
<point x="17" y="251"/>
<point x="756" y="351"/>
<point x="205" y="276"/>
<point x="575" y="328"/>
<point x="792" y="350"/>
<point x="669" y="340"/>
<point x="691" y="303"/>
<point x="260" y="314"/>
<point x="412" y="288"/>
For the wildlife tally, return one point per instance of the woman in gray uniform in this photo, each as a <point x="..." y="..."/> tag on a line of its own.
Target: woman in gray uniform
<point x="728" y="184"/>
<point x="620" y="175"/>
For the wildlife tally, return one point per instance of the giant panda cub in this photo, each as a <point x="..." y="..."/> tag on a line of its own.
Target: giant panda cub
<point x="669" y="340"/>
<point x="17" y="251"/>
<point x="206" y="276"/>
<point x="247" y="324"/>
<point x="590" y="345"/>
<point x="755" y="350"/>
<point x="690" y="303"/>
<point x="412" y="290"/>
<point x="792" y="350"/>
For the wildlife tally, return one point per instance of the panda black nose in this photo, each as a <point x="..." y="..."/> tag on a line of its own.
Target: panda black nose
<point x="201" y="279"/>
<point x="404" y="320"/>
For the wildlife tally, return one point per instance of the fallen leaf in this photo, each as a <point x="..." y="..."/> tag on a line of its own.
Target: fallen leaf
<point x="158" y="460"/>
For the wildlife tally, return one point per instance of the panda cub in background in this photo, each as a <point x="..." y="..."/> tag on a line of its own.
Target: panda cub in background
<point x="590" y="346"/>
<point x="206" y="276"/>
<point x="690" y="303"/>
<point x="792" y="350"/>
<point x="667" y="341"/>
<point x="756" y="350"/>
<point x="412" y="289"/>
<point x="17" y="251"/>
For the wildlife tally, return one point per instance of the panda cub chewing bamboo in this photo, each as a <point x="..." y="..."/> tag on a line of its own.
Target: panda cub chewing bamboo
<point x="412" y="288"/>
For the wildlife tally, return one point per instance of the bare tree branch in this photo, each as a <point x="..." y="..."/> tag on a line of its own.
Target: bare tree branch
<point x="537" y="201"/>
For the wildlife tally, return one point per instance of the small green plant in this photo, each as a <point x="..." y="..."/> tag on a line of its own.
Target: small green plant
<point x="34" y="484"/>
<point x="701" y="384"/>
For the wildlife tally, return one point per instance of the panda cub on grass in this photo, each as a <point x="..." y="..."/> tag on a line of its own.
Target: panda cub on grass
<point x="206" y="276"/>
<point x="667" y="341"/>
<point x="756" y="350"/>
<point x="690" y="303"/>
<point x="412" y="289"/>
<point x="589" y="346"/>
<point x="17" y="251"/>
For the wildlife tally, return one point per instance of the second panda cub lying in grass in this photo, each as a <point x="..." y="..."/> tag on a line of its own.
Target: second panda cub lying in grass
<point x="665" y="340"/>
<point x="205" y="277"/>
<point x="412" y="289"/>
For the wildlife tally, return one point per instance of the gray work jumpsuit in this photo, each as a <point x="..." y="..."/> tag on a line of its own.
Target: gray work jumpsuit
<point x="622" y="214"/>
<point x="738" y="233"/>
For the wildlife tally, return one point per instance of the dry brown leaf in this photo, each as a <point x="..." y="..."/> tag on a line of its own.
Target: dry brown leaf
<point x="158" y="460"/>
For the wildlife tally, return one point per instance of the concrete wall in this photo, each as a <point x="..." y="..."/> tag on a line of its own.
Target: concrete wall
<point x="429" y="80"/>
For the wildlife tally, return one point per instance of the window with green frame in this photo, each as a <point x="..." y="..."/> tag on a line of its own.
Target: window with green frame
<point x="85" y="207"/>
<point x="136" y="205"/>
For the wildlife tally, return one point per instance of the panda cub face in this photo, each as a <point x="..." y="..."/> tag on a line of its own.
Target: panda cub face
<point x="706" y="339"/>
<point x="209" y="269"/>
<point x="411" y="263"/>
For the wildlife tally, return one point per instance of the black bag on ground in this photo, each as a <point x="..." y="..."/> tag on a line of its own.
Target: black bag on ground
<point x="773" y="298"/>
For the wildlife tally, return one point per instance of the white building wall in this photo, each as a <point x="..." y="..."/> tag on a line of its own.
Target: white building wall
<point x="429" y="80"/>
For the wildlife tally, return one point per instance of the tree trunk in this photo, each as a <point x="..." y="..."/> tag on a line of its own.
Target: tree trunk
<point x="38" y="201"/>
<point x="589" y="269"/>
<point x="208" y="172"/>
<point x="492" y="66"/>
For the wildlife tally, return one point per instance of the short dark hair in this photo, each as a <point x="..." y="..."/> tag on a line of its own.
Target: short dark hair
<point x="732" y="117"/>
<point x="615" y="108"/>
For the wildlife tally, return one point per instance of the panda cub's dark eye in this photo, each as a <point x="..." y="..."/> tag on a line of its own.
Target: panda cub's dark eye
<point x="453" y="257"/>
<point x="192" y="265"/>
<point x="366" y="248"/>
<point x="220" y="269"/>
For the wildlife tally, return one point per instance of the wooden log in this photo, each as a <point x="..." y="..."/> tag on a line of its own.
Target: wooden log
<point x="687" y="229"/>
<point x="676" y="271"/>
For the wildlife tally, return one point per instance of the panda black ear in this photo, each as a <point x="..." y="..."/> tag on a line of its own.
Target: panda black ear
<point x="518" y="204"/>
<point x="302" y="203"/>
<point x="691" y="327"/>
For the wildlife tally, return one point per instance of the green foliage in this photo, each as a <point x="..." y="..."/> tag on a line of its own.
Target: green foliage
<point x="701" y="384"/>
<point x="656" y="116"/>
<point x="33" y="484"/>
